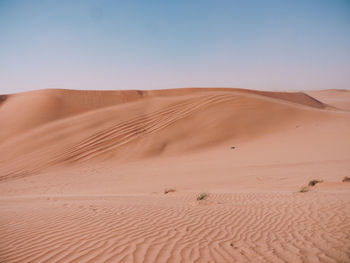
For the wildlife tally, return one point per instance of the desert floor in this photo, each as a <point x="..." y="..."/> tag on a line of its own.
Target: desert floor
<point x="84" y="176"/>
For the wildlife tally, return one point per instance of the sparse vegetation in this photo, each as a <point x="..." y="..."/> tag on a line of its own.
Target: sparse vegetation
<point x="304" y="189"/>
<point x="169" y="190"/>
<point x="314" y="182"/>
<point x="346" y="179"/>
<point x="202" y="196"/>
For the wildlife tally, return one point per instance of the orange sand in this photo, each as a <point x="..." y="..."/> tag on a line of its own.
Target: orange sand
<point x="83" y="174"/>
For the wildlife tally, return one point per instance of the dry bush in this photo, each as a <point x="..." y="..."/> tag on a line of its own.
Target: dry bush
<point x="314" y="182"/>
<point x="202" y="196"/>
<point x="304" y="189"/>
<point x="169" y="190"/>
<point x="346" y="179"/>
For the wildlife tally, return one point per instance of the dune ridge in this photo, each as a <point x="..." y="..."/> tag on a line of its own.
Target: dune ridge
<point x="339" y="99"/>
<point x="24" y="111"/>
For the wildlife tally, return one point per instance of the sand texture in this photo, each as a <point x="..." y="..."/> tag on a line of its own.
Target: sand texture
<point x="114" y="176"/>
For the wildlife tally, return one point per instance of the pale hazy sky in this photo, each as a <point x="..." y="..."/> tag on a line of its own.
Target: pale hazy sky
<point x="275" y="45"/>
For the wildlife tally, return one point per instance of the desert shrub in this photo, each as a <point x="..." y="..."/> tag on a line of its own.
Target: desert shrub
<point x="169" y="190"/>
<point x="304" y="189"/>
<point x="314" y="182"/>
<point x="346" y="179"/>
<point x="202" y="196"/>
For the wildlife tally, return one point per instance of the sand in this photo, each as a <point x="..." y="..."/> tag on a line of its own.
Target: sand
<point x="83" y="175"/>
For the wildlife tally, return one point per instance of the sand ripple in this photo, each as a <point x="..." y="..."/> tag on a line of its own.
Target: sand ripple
<point x="242" y="227"/>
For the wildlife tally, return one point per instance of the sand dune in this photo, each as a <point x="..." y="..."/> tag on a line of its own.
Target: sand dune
<point x="337" y="98"/>
<point x="163" y="121"/>
<point x="83" y="173"/>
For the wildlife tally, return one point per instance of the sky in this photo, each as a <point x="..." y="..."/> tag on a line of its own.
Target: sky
<point x="90" y="44"/>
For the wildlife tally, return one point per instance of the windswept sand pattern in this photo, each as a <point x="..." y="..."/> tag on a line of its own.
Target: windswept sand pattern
<point x="124" y="132"/>
<point x="242" y="227"/>
<point x="117" y="134"/>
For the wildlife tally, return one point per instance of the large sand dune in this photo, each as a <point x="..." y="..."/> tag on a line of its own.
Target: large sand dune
<point x="83" y="174"/>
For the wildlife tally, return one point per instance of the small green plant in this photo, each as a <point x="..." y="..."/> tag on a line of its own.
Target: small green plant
<point x="314" y="182"/>
<point x="169" y="190"/>
<point x="202" y="196"/>
<point x="304" y="189"/>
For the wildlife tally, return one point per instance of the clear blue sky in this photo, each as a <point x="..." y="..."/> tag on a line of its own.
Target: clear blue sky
<point x="262" y="44"/>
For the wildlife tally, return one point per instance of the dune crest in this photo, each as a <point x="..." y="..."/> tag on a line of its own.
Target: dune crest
<point x="24" y="111"/>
